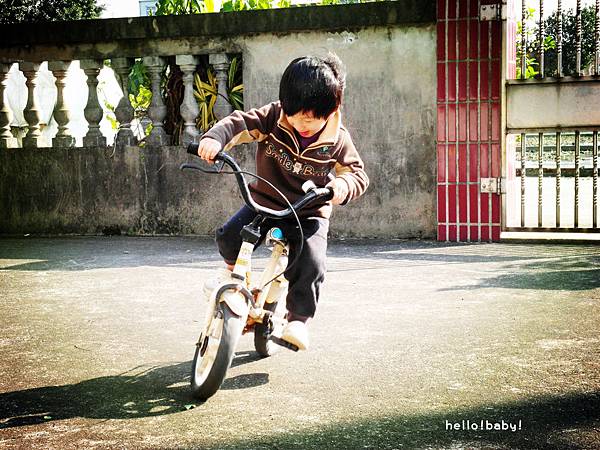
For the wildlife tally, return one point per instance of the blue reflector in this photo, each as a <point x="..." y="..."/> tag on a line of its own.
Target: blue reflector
<point x="276" y="233"/>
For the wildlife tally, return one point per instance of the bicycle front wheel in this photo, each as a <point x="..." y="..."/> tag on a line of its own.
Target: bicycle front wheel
<point x="214" y="352"/>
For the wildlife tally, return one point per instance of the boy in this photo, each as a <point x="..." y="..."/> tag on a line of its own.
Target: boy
<point x="300" y="138"/>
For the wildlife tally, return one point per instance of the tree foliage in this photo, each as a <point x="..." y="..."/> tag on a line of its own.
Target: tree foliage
<point x="31" y="11"/>
<point x="569" y="42"/>
<point x="165" y="7"/>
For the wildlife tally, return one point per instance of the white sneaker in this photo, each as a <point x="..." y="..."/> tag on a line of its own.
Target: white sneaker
<point x="296" y="333"/>
<point x="218" y="277"/>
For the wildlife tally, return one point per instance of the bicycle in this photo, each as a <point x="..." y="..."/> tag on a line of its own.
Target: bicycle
<point x="237" y="305"/>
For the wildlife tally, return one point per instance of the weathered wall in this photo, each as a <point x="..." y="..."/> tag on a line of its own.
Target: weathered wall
<point x="389" y="110"/>
<point x="93" y="190"/>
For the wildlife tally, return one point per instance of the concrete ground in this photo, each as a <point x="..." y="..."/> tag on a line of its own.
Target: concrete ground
<point x="416" y="345"/>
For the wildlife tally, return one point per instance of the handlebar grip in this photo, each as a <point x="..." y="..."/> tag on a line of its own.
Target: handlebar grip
<point x="192" y="148"/>
<point x="326" y="193"/>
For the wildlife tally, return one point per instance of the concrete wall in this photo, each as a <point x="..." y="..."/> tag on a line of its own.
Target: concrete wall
<point x="389" y="110"/>
<point x="93" y="190"/>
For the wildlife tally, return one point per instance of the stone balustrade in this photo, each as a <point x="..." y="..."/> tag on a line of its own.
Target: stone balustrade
<point x="154" y="40"/>
<point x="124" y="112"/>
<point x="389" y="49"/>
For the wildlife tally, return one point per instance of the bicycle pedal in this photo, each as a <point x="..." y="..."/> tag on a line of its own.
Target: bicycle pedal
<point x="283" y="343"/>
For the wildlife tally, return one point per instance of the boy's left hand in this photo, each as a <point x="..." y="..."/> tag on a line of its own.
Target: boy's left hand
<point x="340" y="190"/>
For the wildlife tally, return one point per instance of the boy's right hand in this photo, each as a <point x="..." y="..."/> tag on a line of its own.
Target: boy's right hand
<point x="208" y="149"/>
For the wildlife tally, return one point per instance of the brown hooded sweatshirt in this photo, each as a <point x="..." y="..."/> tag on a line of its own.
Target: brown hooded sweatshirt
<point x="280" y="160"/>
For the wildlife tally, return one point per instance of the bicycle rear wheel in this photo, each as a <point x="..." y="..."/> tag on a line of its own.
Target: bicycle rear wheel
<point x="262" y="344"/>
<point x="214" y="352"/>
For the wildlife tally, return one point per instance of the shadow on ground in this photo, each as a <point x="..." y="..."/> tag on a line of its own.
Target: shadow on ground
<point x="552" y="280"/>
<point x="574" y="274"/>
<point x="76" y="253"/>
<point x="554" y="422"/>
<point x="85" y="253"/>
<point x="140" y="392"/>
<point x="551" y="422"/>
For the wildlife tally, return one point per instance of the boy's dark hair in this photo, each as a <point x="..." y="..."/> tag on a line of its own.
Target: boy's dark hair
<point x="312" y="84"/>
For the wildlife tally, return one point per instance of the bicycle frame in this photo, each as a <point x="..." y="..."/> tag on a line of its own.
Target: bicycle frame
<point x="237" y="304"/>
<point x="269" y="288"/>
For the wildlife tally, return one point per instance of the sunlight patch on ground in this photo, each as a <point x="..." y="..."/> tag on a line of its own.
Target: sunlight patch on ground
<point x="7" y="263"/>
<point x="515" y="236"/>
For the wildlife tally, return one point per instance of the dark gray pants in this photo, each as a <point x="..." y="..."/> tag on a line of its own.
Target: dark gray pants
<point x="306" y="275"/>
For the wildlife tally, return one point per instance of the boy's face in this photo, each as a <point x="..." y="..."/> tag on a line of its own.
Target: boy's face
<point x="306" y="124"/>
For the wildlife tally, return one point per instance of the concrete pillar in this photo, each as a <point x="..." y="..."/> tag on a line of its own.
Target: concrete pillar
<point x="220" y="63"/>
<point x="124" y="110"/>
<point x="31" y="112"/>
<point x="158" y="109"/>
<point x="93" y="111"/>
<point x="61" y="114"/>
<point x="189" y="107"/>
<point x="6" y="137"/>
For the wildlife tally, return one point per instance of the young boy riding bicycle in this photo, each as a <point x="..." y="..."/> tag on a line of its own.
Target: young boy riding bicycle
<point x="299" y="138"/>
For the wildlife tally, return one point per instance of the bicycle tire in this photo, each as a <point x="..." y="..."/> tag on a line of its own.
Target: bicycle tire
<point x="263" y="346"/>
<point x="214" y="354"/>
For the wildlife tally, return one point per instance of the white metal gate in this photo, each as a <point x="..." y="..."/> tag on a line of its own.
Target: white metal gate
<point x="552" y="120"/>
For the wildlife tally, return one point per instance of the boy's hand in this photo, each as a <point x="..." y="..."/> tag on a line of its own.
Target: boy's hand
<point x="340" y="190"/>
<point x="208" y="149"/>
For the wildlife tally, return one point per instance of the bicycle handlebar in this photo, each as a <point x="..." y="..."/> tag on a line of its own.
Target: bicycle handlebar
<point x="311" y="195"/>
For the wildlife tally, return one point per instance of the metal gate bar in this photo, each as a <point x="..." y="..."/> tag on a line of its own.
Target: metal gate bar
<point x="558" y="177"/>
<point x="559" y="24"/>
<point x="542" y="38"/>
<point x="597" y="45"/>
<point x="595" y="180"/>
<point x="540" y="177"/>
<point x="523" y="40"/>
<point x="577" y="156"/>
<point x="523" y="158"/>
<point x="576" y="164"/>
<point x="578" y="39"/>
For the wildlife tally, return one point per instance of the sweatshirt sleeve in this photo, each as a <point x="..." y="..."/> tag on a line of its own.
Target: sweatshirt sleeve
<point x="243" y="127"/>
<point x="350" y="168"/>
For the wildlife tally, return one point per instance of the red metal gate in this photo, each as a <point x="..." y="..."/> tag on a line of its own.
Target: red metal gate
<point x="469" y="136"/>
<point x="485" y="184"/>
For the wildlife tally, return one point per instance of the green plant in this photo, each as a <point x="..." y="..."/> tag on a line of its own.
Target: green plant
<point x="531" y="63"/>
<point x="166" y="7"/>
<point x="173" y="90"/>
<point x="206" y="92"/>
<point x="138" y="76"/>
<point x="140" y="104"/>
<point x="569" y="50"/>
<point x="235" y="87"/>
<point x="569" y="40"/>
<point x="141" y="101"/>
<point x="110" y="115"/>
<point x="140" y="93"/>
